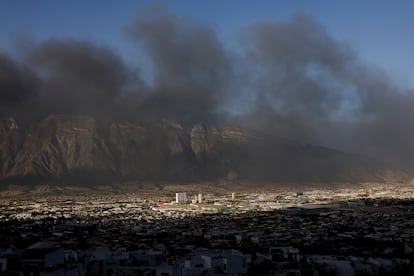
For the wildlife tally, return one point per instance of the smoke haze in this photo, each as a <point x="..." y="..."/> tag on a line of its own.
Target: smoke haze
<point x="286" y="78"/>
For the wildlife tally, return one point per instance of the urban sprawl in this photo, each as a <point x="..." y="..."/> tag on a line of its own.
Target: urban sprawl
<point x="367" y="230"/>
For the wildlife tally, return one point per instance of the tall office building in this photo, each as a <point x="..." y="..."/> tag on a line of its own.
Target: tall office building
<point x="180" y="198"/>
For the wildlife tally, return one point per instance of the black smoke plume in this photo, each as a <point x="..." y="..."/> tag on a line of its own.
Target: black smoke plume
<point x="287" y="78"/>
<point x="191" y="68"/>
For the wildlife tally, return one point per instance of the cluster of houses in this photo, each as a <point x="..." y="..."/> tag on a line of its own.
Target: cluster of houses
<point x="295" y="241"/>
<point x="202" y="235"/>
<point x="48" y="258"/>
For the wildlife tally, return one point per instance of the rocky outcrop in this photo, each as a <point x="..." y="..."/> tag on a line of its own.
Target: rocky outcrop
<point x="60" y="146"/>
<point x="76" y="149"/>
<point x="204" y="140"/>
<point x="159" y="151"/>
<point x="11" y="140"/>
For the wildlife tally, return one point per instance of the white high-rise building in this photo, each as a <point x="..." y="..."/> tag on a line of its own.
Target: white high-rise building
<point x="180" y="198"/>
<point x="200" y="198"/>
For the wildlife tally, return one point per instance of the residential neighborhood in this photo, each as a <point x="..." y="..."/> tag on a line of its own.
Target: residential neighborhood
<point x="341" y="232"/>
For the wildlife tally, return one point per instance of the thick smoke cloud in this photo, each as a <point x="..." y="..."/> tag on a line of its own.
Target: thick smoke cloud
<point x="310" y="87"/>
<point x="287" y="78"/>
<point x="63" y="76"/>
<point x="18" y="87"/>
<point x="190" y="67"/>
<point x="79" y="77"/>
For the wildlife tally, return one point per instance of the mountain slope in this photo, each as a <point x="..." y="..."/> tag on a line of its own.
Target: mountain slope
<point x="75" y="149"/>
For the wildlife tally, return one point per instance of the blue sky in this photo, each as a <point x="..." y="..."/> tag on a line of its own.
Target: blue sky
<point x="380" y="31"/>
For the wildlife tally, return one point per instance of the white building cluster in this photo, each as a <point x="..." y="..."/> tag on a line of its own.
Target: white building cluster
<point x="181" y="198"/>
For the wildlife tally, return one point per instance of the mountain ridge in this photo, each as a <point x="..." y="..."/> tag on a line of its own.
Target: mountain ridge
<point x="76" y="149"/>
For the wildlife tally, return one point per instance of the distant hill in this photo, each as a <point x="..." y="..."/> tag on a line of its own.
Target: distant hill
<point x="74" y="149"/>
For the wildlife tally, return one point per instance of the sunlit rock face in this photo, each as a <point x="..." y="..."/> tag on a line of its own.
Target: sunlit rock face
<point x="78" y="149"/>
<point x="11" y="140"/>
<point x="63" y="145"/>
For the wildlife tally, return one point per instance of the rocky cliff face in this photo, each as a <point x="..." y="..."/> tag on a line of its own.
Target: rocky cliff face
<point x="160" y="151"/>
<point x="204" y="140"/>
<point x="11" y="140"/>
<point x="62" y="146"/>
<point x="74" y="148"/>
